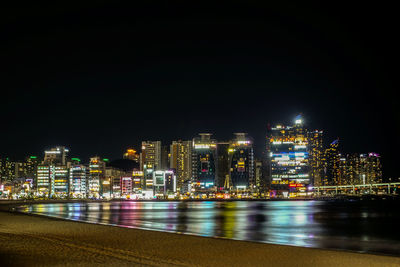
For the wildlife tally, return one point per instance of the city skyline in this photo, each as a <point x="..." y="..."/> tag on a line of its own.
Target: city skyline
<point x="112" y="77"/>
<point x="295" y="161"/>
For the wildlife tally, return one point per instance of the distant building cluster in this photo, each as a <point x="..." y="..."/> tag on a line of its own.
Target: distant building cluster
<point x="294" y="162"/>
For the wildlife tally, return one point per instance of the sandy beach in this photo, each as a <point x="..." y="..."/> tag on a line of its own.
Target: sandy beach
<point x="39" y="241"/>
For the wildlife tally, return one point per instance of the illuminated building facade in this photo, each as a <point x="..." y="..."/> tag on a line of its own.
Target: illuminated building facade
<point x="332" y="165"/>
<point x="7" y="169"/>
<point x="316" y="156"/>
<point x="204" y="162"/>
<point x="242" y="162"/>
<point x="53" y="173"/>
<point x="97" y="168"/>
<point x="61" y="180"/>
<point x="138" y="180"/>
<point x="112" y="181"/>
<point x="45" y="180"/>
<point x="288" y="159"/>
<point x="181" y="161"/>
<point x="258" y="176"/>
<point x="360" y="169"/>
<point x="126" y="186"/>
<point x="164" y="182"/>
<point x="56" y="155"/>
<point x="150" y="161"/>
<point x="78" y="174"/>
<point x="52" y="180"/>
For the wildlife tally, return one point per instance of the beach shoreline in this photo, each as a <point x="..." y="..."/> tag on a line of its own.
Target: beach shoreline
<point x="36" y="240"/>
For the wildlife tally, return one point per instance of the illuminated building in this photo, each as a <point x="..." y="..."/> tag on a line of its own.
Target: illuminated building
<point x="258" y="176"/>
<point x="78" y="179"/>
<point x="131" y="154"/>
<point x="316" y="156"/>
<point x="56" y="155"/>
<point x="164" y="182"/>
<point x="7" y="169"/>
<point x="223" y="166"/>
<point x="332" y="165"/>
<point x="181" y="161"/>
<point x="204" y="162"/>
<point x="138" y="180"/>
<point x="97" y="168"/>
<point x="242" y="162"/>
<point x="288" y="159"/>
<point x="126" y="186"/>
<point x="52" y="180"/>
<point x="373" y="168"/>
<point x="360" y="169"/>
<point x="150" y="161"/>
<point x="61" y="181"/>
<point x="53" y="173"/>
<point x="45" y="180"/>
<point x="112" y="181"/>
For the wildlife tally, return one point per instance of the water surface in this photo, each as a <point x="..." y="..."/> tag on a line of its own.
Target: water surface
<point x="361" y="227"/>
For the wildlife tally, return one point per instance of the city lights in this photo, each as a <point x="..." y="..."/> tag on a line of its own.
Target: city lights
<point x="295" y="164"/>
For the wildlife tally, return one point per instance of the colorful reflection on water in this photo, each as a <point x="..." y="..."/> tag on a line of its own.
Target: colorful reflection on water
<point x="347" y="226"/>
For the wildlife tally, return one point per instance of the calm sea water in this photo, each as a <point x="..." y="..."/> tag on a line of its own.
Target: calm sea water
<point x="361" y="227"/>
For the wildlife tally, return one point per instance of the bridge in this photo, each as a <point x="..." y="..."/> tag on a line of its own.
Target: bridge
<point x="389" y="188"/>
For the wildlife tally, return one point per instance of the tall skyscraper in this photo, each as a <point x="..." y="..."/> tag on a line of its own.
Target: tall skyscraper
<point x="332" y="164"/>
<point x="242" y="162"/>
<point x="181" y="161"/>
<point x="258" y="176"/>
<point x="204" y="162"/>
<point x="316" y="154"/>
<point x="7" y="169"/>
<point x="150" y="161"/>
<point x="360" y="169"/>
<point x="288" y="159"/>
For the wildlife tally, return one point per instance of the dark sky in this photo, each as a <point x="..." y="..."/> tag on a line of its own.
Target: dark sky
<point x="101" y="77"/>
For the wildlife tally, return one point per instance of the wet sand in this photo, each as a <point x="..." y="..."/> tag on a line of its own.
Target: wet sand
<point x="38" y="241"/>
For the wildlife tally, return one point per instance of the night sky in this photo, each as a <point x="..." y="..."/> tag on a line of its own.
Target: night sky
<point x="102" y="77"/>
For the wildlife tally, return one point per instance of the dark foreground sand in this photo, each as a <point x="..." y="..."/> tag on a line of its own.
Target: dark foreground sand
<point x="37" y="241"/>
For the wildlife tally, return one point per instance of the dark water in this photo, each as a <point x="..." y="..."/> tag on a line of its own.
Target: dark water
<point x="362" y="227"/>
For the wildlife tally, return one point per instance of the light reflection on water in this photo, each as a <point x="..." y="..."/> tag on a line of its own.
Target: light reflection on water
<point x="299" y="223"/>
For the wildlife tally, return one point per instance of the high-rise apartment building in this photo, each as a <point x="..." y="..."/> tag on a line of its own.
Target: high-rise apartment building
<point x="7" y="169"/>
<point x="150" y="161"/>
<point x="316" y="156"/>
<point x="332" y="165"/>
<point x="360" y="169"/>
<point x="204" y="158"/>
<point x="242" y="162"/>
<point x="181" y="161"/>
